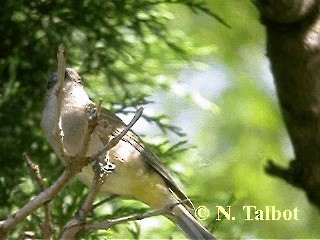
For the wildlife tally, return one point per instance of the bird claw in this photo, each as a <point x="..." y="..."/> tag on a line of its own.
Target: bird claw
<point x="107" y="167"/>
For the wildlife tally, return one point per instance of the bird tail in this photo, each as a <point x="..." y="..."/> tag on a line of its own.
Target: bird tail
<point x="189" y="224"/>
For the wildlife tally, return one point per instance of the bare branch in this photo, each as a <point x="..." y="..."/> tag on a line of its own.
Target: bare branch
<point x="76" y="224"/>
<point x="112" y="222"/>
<point x="47" y="227"/>
<point x="108" y="199"/>
<point x="61" y="55"/>
<point x="116" y="139"/>
<point x="35" y="171"/>
<point x="293" y="48"/>
<point x="93" y="122"/>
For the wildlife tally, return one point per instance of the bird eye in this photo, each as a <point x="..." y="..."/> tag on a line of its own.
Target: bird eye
<point x="51" y="81"/>
<point x="79" y="80"/>
<point x="50" y="84"/>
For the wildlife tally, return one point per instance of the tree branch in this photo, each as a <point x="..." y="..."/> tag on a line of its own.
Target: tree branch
<point x="61" y="55"/>
<point x="284" y="11"/>
<point x="293" y="47"/>
<point x="108" y="199"/>
<point x="116" y="139"/>
<point x="112" y="222"/>
<point x="47" y="227"/>
<point x="75" y="225"/>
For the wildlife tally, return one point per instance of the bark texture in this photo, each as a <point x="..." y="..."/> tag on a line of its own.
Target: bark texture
<point x="293" y="47"/>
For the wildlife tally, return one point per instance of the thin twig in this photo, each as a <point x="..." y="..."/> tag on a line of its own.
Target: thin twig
<point x="108" y="199"/>
<point x="35" y="171"/>
<point x="93" y="122"/>
<point x="76" y="224"/>
<point x="116" y="139"/>
<point x="61" y="55"/>
<point x="47" y="227"/>
<point x="112" y="222"/>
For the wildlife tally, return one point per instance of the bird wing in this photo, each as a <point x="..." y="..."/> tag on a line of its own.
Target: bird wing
<point x="117" y="125"/>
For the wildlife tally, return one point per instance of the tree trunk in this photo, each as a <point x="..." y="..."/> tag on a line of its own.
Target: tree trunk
<point x="293" y="47"/>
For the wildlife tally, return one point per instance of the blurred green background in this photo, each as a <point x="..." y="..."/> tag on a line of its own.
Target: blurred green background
<point x="211" y="81"/>
<point x="236" y="142"/>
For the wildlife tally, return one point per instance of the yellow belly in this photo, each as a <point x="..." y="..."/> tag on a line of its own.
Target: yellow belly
<point x="132" y="178"/>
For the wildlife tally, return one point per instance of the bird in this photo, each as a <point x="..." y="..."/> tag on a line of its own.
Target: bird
<point x="137" y="172"/>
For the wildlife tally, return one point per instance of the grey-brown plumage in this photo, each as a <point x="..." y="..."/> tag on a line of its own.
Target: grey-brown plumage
<point x="138" y="173"/>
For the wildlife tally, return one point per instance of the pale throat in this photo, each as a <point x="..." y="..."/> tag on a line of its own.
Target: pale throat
<point x="75" y="95"/>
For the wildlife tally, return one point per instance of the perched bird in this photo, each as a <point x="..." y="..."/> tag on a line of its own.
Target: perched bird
<point x="137" y="173"/>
